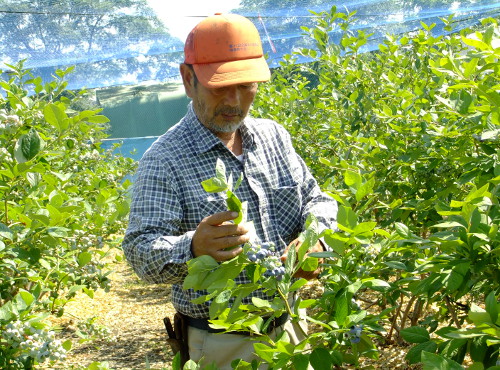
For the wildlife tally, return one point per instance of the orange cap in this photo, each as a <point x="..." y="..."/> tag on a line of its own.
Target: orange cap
<point x="226" y="49"/>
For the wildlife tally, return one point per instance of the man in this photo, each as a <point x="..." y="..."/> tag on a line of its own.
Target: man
<point x="172" y="218"/>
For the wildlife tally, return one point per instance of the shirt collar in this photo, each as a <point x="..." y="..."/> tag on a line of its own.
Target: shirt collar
<point x="204" y="139"/>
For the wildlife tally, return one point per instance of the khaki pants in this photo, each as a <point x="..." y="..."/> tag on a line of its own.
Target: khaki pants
<point x="224" y="348"/>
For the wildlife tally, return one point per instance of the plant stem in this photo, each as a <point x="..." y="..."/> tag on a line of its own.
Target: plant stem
<point x="417" y="312"/>
<point x="395" y="317"/>
<point x="6" y="212"/>
<point x="285" y="299"/>
<point x="452" y="311"/>
<point x="407" y="311"/>
<point x="289" y="310"/>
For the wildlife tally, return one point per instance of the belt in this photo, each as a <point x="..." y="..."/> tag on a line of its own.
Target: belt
<point x="203" y="324"/>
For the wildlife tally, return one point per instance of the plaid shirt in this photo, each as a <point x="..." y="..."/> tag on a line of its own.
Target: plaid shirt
<point x="169" y="202"/>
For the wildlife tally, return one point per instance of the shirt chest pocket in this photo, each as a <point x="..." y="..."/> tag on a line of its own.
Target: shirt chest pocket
<point x="209" y="204"/>
<point x="287" y="207"/>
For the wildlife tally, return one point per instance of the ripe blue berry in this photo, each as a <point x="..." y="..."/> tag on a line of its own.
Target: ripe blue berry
<point x="355" y="333"/>
<point x="252" y="257"/>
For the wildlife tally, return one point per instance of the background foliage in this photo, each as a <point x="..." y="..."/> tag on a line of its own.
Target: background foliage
<point x="407" y="140"/>
<point x="63" y="199"/>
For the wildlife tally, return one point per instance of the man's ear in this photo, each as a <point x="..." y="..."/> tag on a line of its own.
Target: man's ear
<point x="187" y="79"/>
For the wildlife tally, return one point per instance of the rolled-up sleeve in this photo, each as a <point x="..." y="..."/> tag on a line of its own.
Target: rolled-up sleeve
<point x="153" y="244"/>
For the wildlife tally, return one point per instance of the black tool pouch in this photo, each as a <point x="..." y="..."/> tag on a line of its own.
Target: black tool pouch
<point x="178" y="336"/>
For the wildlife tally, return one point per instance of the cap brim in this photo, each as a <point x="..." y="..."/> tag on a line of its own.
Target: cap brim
<point x="222" y="74"/>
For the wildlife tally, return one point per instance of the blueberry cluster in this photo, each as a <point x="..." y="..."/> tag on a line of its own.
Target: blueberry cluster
<point x="354" y="333"/>
<point x="264" y="255"/>
<point x="274" y="267"/>
<point x="38" y="344"/>
<point x="258" y="252"/>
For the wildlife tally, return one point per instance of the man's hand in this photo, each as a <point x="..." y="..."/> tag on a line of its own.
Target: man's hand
<point x="216" y="236"/>
<point x="308" y="275"/>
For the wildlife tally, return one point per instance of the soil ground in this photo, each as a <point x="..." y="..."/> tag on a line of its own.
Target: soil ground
<point x="133" y="311"/>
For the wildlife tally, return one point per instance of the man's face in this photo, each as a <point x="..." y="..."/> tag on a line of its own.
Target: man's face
<point x="223" y="109"/>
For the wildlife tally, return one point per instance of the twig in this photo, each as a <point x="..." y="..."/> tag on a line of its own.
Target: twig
<point x="289" y="310"/>
<point x="395" y="317"/>
<point x="452" y="311"/>
<point x="6" y="212"/>
<point x="417" y="312"/>
<point x="407" y="311"/>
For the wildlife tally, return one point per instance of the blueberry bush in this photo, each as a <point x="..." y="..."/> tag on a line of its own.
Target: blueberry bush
<point x="407" y="139"/>
<point x="63" y="204"/>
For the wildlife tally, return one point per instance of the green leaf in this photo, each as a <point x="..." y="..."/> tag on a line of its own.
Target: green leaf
<point x="75" y="288"/>
<point x="264" y="351"/>
<point x="479" y="316"/>
<point x="298" y="284"/>
<point x="56" y="116"/>
<point x="67" y="344"/>
<point x="492" y="307"/>
<point x="341" y="309"/>
<point x="238" y="182"/>
<point x="84" y="258"/>
<point x="202" y="264"/>
<point x="449" y="224"/>
<point x="220" y="170"/>
<point x="478" y="348"/>
<point x="475" y="43"/>
<point x="363" y="227"/>
<point x="234" y="204"/>
<point x="365" y="189"/>
<point x="456" y="277"/>
<point x="396" y="265"/>
<point x="310" y="264"/>
<point x="431" y="361"/>
<point x="214" y="185"/>
<point x="260" y="303"/>
<point x="98" y="119"/>
<point x="220" y="303"/>
<point x="352" y="179"/>
<point x="320" y="359"/>
<point x="414" y="354"/>
<point x="415" y="334"/>
<point x="404" y="231"/>
<point x="307" y="303"/>
<point x="376" y="284"/>
<point x="5" y="232"/>
<point x="461" y="102"/>
<point x="8" y="311"/>
<point x="28" y="146"/>
<point x="347" y="217"/>
<point x="300" y="362"/>
<point x="27" y="297"/>
<point x="58" y="232"/>
<point x="336" y="242"/>
<point x="89" y="292"/>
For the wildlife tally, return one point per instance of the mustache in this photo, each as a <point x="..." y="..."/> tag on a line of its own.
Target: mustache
<point x="229" y="111"/>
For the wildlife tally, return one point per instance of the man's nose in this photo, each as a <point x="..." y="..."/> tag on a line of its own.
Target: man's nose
<point x="232" y="96"/>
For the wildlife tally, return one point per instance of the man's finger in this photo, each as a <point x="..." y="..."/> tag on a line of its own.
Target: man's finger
<point x="224" y="230"/>
<point x="227" y="254"/>
<point x="220" y="217"/>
